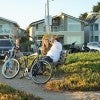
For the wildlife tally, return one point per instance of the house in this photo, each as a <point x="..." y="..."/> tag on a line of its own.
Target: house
<point x="92" y="30"/>
<point x="69" y="28"/>
<point x="9" y="28"/>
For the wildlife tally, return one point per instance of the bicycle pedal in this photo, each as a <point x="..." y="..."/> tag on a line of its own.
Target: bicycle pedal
<point x="22" y="76"/>
<point x="26" y="70"/>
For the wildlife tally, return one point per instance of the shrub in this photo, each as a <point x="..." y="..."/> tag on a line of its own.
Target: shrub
<point x="8" y="93"/>
<point x="80" y="72"/>
<point x="89" y="56"/>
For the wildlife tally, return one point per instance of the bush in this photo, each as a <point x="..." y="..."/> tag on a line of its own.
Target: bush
<point x="83" y="57"/>
<point x="8" y="93"/>
<point x="81" y="71"/>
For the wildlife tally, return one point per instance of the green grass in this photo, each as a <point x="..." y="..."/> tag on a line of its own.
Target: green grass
<point x="81" y="72"/>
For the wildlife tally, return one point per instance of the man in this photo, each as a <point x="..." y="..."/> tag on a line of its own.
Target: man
<point x="53" y="54"/>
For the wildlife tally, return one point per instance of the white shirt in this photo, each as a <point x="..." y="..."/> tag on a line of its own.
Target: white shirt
<point x="55" y="51"/>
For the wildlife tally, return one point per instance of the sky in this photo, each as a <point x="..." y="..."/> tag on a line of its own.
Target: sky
<point x="24" y="12"/>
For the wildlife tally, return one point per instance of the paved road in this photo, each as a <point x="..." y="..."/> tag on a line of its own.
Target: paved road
<point x="38" y="90"/>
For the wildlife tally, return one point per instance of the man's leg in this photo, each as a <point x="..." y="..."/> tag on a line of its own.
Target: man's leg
<point x="47" y="58"/>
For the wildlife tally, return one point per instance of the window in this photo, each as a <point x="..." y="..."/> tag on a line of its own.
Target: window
<point x="91" y="38"/>
<point x="55" y="28"/>
<point x="74" y="27"/>
<point x="0" y="28"/>
<point x="96" y="38"/>
<point x="36" y="26"/>
<point x="62" y="27"/>
<point x="44" y="28"/>
<point x="96" y="27"/>
<point x="91" y="27"/>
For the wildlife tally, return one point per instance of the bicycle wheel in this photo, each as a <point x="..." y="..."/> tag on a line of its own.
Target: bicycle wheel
<point x="41" y="72"/>
<point x="10" y="68"/>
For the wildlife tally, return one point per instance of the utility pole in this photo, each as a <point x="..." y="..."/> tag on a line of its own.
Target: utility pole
<point x="47" y="17"/>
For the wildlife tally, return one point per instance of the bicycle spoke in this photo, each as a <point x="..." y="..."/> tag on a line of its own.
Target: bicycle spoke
<point x="10" y="68"/>
<point x="41" y="72"/>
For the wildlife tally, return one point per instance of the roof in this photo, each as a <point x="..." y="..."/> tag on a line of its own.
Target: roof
<point x="91" y="18"/>
<point x="69" y="16"/>
<point x="39" y="21"/>
<point x="42" y="20"/>
<point x="9" y="21"/>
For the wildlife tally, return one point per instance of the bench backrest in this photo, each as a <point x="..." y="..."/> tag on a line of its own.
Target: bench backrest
<point x="62" y="57"/>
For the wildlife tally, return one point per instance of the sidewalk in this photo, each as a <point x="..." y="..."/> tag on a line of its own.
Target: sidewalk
<point x="38" y="90"/>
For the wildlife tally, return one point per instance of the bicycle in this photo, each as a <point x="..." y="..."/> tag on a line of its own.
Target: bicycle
<point x="41" y="70"/>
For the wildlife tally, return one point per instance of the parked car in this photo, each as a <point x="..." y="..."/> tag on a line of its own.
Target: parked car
<point x="94" y="46"/>
<point x="5" y="46"/>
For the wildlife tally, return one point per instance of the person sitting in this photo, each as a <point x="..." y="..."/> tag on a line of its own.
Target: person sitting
<point x="53" y="54"/>
<point x="45" y="44"/>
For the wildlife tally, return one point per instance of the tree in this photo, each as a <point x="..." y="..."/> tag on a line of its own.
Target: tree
<point x="96" y="8"/>
<point x="83" y="16"/>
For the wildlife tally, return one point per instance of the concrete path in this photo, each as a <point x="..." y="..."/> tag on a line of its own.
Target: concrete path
<point x="38" y="90"/>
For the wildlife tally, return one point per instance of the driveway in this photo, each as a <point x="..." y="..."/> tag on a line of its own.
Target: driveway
<point x="38" y="90"/>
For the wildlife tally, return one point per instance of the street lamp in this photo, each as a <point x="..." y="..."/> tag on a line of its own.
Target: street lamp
<point x="48" y="19"/>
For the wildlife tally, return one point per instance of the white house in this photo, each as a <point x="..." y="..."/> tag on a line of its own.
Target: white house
<point x="8" y="27"/>
<point x="69" y="28"/>
<point x="92" y="30"/>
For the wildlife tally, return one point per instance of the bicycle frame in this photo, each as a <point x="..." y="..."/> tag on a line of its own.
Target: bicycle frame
<point x="29" y="57"/>
<point x="34" y="54"/>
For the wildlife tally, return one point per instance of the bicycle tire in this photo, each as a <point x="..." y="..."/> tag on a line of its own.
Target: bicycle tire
<point x="41" y="72"/>
<point x="10" y="68"/>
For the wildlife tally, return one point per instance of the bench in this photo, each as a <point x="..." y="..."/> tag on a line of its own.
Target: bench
<point x="61" y="60"/>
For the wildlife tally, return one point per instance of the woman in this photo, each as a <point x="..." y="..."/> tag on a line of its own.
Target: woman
<point x="45" y="45"/>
